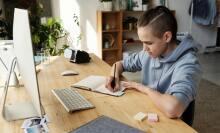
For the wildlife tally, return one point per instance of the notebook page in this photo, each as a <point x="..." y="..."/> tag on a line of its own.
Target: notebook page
<point x="91" y="82"/>
<point x="104" y="90"/>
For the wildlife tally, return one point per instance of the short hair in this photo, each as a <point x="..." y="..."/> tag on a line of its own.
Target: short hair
<point x="160" y="19"/>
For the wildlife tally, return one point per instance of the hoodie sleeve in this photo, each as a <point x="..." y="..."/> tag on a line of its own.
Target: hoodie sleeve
<point x="185" y="79"/>
<point x="133" y="62"/>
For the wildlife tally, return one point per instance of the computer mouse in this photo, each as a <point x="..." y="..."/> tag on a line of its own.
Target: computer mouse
<point x="69" y="73"/>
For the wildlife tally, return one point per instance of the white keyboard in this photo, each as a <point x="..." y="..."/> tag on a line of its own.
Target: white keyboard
<point x="71" y="99"/>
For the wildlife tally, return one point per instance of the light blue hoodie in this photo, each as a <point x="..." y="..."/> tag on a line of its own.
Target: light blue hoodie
<point x="177" y="74"/>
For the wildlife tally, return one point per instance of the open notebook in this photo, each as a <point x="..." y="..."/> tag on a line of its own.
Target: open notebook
<point x="97" y="84"/>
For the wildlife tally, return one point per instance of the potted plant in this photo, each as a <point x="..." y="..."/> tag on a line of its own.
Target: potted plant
<point x="46" y="35"/>
<point x="106" y="5"/>
<point x="145" y="5"/>
<point x="34" y="7"/>
<point x="3" y="27"/>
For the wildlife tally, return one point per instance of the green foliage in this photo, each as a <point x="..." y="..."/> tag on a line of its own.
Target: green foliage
<point x="43" y="35"/>
<point x="46" y="35"/>
<point x="34" y="7"/>
<point x="76" y="21"/>
<point x="3" y="27"/>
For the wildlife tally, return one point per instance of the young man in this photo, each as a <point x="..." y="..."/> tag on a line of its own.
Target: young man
<point x="170" y="69"/>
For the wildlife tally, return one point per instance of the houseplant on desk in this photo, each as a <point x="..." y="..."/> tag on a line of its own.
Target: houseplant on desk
<point x="145" y="5"/>
<point x="46" y="35"/>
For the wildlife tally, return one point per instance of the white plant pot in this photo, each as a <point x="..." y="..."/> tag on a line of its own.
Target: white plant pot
<point x="144" y="7"/>
<point x="157" y="3"/>
<point x="107" y="6"/>
<point x="61" y="41"/>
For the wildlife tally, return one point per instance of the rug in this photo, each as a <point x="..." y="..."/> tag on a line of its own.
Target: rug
<point x="207" y="110"/>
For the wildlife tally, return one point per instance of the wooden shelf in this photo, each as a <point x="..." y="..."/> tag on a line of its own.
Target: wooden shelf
<point x="110" y="62"/>
<point x="110" y="12"/>
<point x="132" y="12"/>
<point x="127" y="30"/>
<point x="109" y="49"/>
<point x="114" y="20"/>
<point x="111" y="30"/>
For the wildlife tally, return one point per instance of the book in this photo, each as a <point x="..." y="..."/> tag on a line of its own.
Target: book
<point x="97" y="84"/>
<point x="104" y="124"/>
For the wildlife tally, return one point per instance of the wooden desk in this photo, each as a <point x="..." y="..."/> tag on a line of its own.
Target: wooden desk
<point x="119" y="108"/>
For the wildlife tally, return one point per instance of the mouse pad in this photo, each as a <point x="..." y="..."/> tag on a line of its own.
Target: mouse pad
<point x="104" y="124"/>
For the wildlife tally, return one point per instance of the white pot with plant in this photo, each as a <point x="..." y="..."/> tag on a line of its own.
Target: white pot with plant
<point x="106" y="5"/>
<point x="145" y="5"/>
<point x="46" y="35"/>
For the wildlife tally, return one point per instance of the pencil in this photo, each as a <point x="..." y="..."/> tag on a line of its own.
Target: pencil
<point x="113" y="80"/>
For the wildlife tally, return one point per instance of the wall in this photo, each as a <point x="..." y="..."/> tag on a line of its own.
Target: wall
<point x="86" y="9"/>
<point x="46" y="7"/>
<point x="55" y="7"/>
<point x="88" y="21"/>
<point x="206" y="36"/>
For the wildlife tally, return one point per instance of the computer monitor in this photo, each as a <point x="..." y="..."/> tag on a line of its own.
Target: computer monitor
<point x="23" y="50"/>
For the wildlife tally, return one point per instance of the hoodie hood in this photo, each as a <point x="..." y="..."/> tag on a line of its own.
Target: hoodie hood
<point x="187" y="44"/>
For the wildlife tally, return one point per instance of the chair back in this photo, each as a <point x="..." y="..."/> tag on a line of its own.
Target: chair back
<point x="188" y="115"/>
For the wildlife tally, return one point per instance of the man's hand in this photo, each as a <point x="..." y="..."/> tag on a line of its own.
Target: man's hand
<point x="116" y="71"/>
<point x="133" y="85"/>
<point x="108" y="84"/>
<point x="168" y="104"/>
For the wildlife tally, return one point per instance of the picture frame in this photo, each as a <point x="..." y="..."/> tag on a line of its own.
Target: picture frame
<point x="137" y="5"/>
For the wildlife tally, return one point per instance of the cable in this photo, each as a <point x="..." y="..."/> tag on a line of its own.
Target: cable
<point x="11" y="70"/>
<point x="5" y="49"/>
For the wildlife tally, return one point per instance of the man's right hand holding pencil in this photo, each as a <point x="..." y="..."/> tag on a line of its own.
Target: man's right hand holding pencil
<point x="113" y="82"/>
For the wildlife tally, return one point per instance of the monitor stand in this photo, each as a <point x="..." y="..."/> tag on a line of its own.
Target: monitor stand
<point x="19" y="110"/>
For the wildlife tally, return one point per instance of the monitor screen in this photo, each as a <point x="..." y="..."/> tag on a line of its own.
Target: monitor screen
<point x="23" y="50"/>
